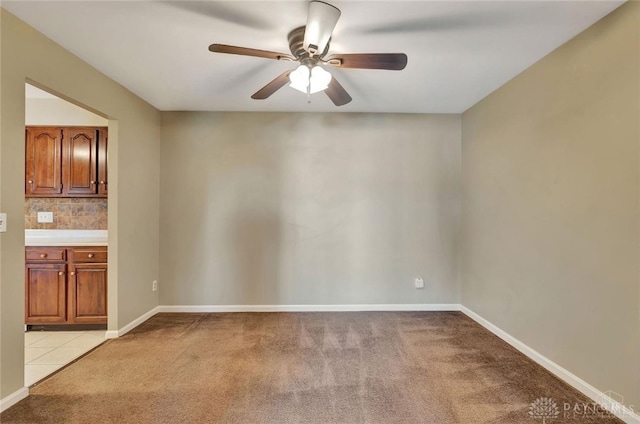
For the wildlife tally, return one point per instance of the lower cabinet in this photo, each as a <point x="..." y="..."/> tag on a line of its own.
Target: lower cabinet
<point x="88" y="286"/>
<point x="46" y="293"/>
<point x="66" y="285"/>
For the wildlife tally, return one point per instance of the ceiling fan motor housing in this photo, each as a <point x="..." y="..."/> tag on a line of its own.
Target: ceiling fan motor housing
<point x="296" y="45"/>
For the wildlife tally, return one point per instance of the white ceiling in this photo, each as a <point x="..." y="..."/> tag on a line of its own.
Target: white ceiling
<point x="459" y="51"/>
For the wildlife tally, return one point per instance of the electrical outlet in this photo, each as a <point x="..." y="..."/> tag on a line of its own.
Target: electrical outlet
<point x="154" y="285"/>
<point x="45" y="216"/>
<point x="3" y="222"/>
<point x="419" y="283"/>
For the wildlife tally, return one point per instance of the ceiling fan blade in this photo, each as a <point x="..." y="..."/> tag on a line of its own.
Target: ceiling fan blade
<point x="266" y="91"/>
<point x="244" y="51"/>
<point x="388" y="61"/>
<point x="321" y="21"/>
<point x="337" y="93"/>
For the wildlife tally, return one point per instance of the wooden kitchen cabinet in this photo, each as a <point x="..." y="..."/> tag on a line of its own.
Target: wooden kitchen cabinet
<point x="88" y="285"/>
<point x="66" y="162"/>
<point x="43" y="162"/>
<point x="45" y="293"/>
<point x="103" y="175"/>
<point x="66" y="285"/>
<point x="80" y="173"/>
<point x="46" y="254"/>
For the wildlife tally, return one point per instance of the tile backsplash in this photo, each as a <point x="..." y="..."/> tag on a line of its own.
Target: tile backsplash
<point x="69" y="213"/>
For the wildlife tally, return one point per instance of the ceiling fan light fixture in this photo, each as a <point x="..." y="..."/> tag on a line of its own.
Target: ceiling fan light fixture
<point x="321" y="21"/>
<point x="316" y="79"/>
<point x="320" y="79"/>
<point x="300" y="78"/>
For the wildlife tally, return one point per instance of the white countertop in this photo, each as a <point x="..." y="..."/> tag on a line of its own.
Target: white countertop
<point x="65" y="237"/>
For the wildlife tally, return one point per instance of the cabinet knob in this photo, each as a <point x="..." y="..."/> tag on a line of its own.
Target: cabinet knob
<point x="93" y="182"/>
<point x="90" y="255"/>
<point x="30" y="181"/>
<point x="43" y="255"/>
<point x="60" y="273"/>
<point x="102" y="182"/>
<point x="73" y="273"/>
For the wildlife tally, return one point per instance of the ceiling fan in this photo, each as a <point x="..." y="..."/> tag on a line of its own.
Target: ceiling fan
<point x="309" y="46"/>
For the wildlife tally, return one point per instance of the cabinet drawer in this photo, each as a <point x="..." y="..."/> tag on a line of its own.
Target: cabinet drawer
<point x="45" y="254"/>
<point x="97" y="255"/>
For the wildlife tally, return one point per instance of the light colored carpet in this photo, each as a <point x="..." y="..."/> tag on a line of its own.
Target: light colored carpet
<point x="279" y="368"/>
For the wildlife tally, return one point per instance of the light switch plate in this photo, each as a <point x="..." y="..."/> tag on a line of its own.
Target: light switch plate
<point x="3" y="222"/>
<point x="45" y="216"/>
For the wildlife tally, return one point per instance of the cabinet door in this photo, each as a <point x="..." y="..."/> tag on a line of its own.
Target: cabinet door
<point x="45" y="294"/>
<point x="43" y="162"/>
<point x="103" y="176"/>
<point x="81" y="161"/>
<point x="88" y="293"/>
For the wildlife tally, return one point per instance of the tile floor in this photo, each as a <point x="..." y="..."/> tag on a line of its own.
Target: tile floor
<point x="48" y="351"/>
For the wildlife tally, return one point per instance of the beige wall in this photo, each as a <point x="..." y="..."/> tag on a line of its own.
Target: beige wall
<point x="287" y="209"/>
<point x="550" y="205"/>
<point x="134" y="151"/>
<point x="59" y="112"/>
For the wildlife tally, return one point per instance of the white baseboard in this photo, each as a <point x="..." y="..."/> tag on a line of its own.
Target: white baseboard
<point x="310" y="308"/>
<point x="625" y="414"/>
<point x="13" y="398"/>
<point x="113" y="334"/>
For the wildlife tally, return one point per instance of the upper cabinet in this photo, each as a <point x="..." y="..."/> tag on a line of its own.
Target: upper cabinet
<point x="66" y="162"/>
<point x="44" y="162"/>
<point x="80" y="173"/>
<point x="102" y="165"/>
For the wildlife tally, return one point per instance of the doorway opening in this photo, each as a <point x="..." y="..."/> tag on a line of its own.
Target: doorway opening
<point x="66" y="232"/>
